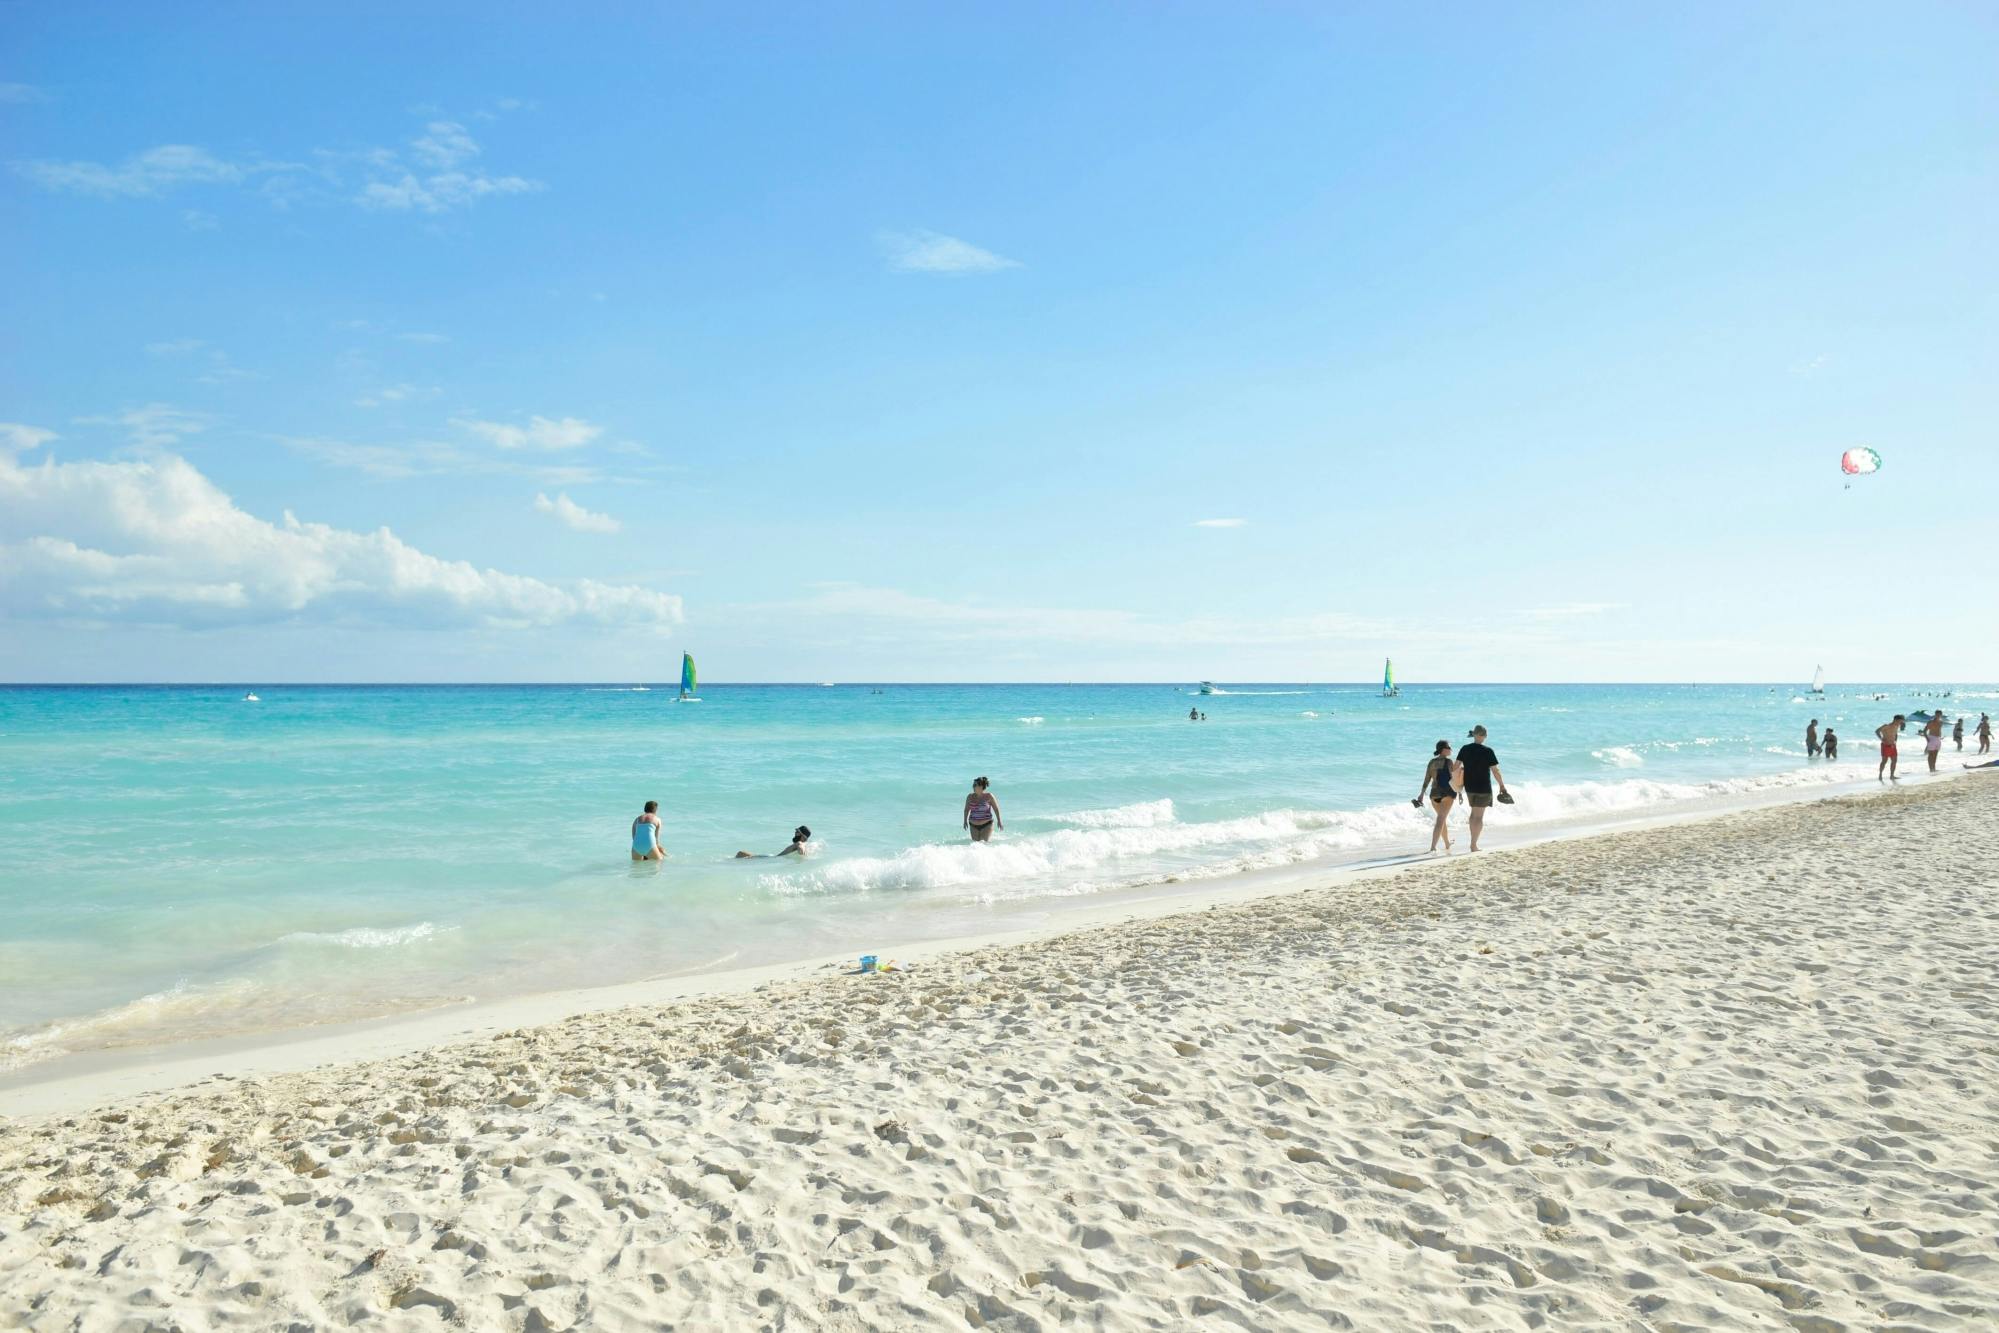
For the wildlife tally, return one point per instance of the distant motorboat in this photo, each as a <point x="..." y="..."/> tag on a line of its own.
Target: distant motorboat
<point x="251" y="699"/>
<point x="641" y="689"/>
<point x="1207" y="687"/>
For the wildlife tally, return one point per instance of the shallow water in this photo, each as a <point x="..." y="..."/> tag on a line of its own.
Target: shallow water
<point x="176" y="862"/>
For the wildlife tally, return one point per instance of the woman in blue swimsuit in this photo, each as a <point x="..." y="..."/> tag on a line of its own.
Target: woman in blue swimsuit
<point x="645" y="835"/>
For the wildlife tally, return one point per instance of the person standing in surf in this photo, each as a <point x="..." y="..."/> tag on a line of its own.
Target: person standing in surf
<point x="1984" y="734"/>
<point x="982" y="812"/>
<point x="1812" y="739"/>
<point x="1889" y="733"/>
<point x="1479" y="768"/>
<point x="1957" y="732"/>
<point x="1831" y="744"/>
<point x="645" y="835"/>
<point x="1440" y="784"/>
<point x="1933" y="737"/>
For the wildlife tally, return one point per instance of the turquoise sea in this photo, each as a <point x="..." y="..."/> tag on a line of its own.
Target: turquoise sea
<point x="179" y="862"/>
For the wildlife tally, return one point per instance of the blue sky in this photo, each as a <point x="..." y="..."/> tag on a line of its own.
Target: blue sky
<point x="1046" y="342"/>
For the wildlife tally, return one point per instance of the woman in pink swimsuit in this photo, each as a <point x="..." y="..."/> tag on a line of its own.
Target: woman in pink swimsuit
<point x="982" y="813"/>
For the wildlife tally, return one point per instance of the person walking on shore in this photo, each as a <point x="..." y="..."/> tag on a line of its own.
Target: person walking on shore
<point x="1957" y="732"/>
<point x="1440" y="779"/>
<point x="1984" y="734"/>
<point x="1812" y="739"/>
<point x="982" y="812"/>
<point x="1933" y="737"/>
<point x="1478" y="768"/>
<point x="1888" y="733"/>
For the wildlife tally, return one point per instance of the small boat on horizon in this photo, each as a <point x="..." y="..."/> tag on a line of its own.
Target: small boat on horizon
<point x="687" y="680"/>
<point x="1389" y="689"/>
<point x="1818" y="681"/>
<point x="1207" y="687"/>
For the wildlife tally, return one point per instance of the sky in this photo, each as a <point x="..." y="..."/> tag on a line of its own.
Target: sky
<point x="1243" y="342"/>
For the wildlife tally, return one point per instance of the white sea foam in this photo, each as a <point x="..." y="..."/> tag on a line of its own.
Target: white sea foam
<point x="1145" y="814"/>
<point x="181" y="1003"/>
<point x="1257" y="693"/>
<point x="1091" y="857"/>
<point x="1619" y="756"/>
<point x="1031" y="721"/>
<point x="365" y="937"/>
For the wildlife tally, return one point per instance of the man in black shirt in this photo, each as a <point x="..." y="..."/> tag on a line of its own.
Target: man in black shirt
<point x="1481" y="767"/>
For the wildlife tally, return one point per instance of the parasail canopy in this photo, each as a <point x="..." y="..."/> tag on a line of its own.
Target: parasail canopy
<point x="1859" y="462"/>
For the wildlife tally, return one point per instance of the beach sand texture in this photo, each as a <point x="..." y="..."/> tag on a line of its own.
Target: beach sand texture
<point x="1735" y="1074"/>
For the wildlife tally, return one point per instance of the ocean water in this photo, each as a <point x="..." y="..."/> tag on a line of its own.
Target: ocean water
<point x="176" y="862"/>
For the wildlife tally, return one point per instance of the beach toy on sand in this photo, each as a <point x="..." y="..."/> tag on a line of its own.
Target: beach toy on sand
<point x="867" y="962"/>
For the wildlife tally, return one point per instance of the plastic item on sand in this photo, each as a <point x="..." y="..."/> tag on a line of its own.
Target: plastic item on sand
<point x="867" y="962"/>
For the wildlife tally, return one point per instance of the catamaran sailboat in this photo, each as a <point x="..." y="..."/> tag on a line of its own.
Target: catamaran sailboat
<point x="1389" y="689"/>
<point x="687" y="681"/>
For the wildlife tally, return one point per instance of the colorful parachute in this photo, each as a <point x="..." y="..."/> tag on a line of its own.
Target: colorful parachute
<point x="1859" y="462"/>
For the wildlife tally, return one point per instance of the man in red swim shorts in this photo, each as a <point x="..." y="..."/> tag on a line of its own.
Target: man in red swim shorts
<point x="1888" y="733"/>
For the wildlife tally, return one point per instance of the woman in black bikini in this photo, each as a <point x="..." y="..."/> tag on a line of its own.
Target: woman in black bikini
<point x="982" y="814"/>
<point x="1441" y="777"/>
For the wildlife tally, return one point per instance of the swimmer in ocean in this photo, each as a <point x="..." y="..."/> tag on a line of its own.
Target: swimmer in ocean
<point x="799" y="837"/>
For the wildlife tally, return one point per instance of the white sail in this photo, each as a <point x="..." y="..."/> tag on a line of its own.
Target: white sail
<point x="1818" y="681"/>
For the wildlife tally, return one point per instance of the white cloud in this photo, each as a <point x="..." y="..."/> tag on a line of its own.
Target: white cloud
<point x="1572" y="610"/>
<point x="175" y="347"/>
<point x="444" y="144"/>
<point x="1220" y="522"/>
<point x="196" y="220"/>
<point x="433" y="173"/>
<point x="21" y="93"/>
<point x="432" y="458"/>
<point x="154" y="426"/>
<point x="154" y="171"/>
<point x="18" y="439"/>
<point x="930" y="252"/>
<point x="539" y="433"/>
<point x="157" y="542"/>
<point x="423" y="337"/>
<point x="575" y="515"/>
<point x="442" y="179"/>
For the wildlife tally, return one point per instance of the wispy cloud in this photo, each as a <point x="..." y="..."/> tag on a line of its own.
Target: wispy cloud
<point x="194" y="219"/>
<point x="155" y="171"/>
<point x="176" y="347"/>
<point x="16" y="438"/>
<point x="1221" y="522"/>
<point x="426" y="338"/>
<point x="1809" y="366"/>
<point x="397" y="393"/>
<point x="442" y="177"/>
<point x="432" y="458"/>
<point x="1573" y="610"/>
<point x="434" y="172"/>
<point x="21" y="93"/>
<point x="154" y="426"/>
<point x="539" y="433"/>
<point x="157" y="542"/>
<point x="933" y="252"/>
<point x="567" y="511"/>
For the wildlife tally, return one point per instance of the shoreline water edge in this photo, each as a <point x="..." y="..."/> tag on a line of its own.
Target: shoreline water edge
<point x="199" y="870"/>
<point x="1714" y="1073"/>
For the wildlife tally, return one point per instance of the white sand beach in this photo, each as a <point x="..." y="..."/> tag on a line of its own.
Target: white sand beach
<point x="1742" y="1073"/>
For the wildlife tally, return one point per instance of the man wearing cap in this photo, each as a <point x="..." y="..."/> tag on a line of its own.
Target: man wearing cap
<point x="1481" y="768"/>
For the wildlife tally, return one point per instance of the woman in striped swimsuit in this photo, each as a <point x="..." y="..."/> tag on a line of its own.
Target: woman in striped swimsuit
<point x="982" y="813"/>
